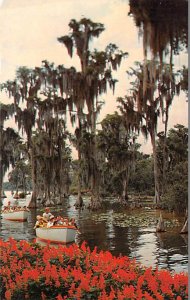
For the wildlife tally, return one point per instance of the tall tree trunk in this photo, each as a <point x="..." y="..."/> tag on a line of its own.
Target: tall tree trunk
<point x="185" y="224"/>
<point x="48" y="200"/>
<point x="79" y="201"/>
<point x="96" y="202"/>
<point x="164" y="154"/>
<point x="33" y="202"/>
<point x="156" y="174"/>
<point x="125" y="197"/>
<point x="95" y="177"/>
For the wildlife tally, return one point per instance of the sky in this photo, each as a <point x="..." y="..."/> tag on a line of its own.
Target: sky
<point x="29" y="31"/>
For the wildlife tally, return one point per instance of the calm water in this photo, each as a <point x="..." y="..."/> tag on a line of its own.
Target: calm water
<point x="119" y="230"/>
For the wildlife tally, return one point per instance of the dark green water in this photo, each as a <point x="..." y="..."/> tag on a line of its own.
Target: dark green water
<point x="119" y="230"/>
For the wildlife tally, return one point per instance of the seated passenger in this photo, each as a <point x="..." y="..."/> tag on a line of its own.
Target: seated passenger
<point x="73" y="223"/>
<point x="51" y="221"/>
<point x="39" y="222"/>
<point x="5" y="208"/>
<point x="26" y="208"/>
<point x="65" y="221"/>
<point x="58" y="221"/>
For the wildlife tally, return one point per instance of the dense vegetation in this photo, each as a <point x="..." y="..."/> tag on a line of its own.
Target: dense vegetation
<point x="109" y="159"/>
<point x="78" y="273"/>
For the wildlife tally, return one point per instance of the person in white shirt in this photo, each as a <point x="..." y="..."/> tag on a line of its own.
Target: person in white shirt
<point x="51" y="221"/>
<point x="47" y="214"/>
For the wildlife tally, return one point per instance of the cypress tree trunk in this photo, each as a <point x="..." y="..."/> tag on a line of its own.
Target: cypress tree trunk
<point x="33" y="203"/>
<point x="160" y="226"/>
<point x="185" y="224"/>
<point x="125" y="197"/>
<point x="156" y="174"/>
<point x="96" y="202"/>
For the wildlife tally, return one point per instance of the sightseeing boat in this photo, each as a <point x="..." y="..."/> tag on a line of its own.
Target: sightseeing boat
<point x="17" y="202"/>
<point x="57" y="234"/>
<point x="17" y="215"/>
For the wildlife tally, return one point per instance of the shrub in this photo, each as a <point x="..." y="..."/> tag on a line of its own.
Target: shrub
<point x="32" y="272"/>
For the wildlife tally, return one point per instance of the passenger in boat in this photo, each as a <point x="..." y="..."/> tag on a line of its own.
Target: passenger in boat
<point x="39" y="222"/>
<point x="10" y="208"/>
<point x="59" y="221"/>
<point x="5" y="209"/>
<point x="26" y="208"/>
<point x="65" y="221"/>
<point x="16" y="196"/>
<point x="47" y="214"/>
<point x="51" y="221"/>
<point x="73" y="223"/>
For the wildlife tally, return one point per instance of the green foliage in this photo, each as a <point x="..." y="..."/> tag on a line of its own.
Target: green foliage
<point x="176" y="196"/>
<point x="119" y="150"/>
<point x="20" y="176"/>
<point x="142" y="180"/>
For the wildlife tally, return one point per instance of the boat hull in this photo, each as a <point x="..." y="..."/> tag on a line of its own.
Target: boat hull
<point x="57" y="235"/>
<point x="20" y="216"/>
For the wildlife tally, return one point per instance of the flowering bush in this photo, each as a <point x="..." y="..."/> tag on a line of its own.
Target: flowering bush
<point x="29" y="271"/>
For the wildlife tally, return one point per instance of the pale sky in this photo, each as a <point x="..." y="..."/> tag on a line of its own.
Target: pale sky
<point x="29" y="31"/>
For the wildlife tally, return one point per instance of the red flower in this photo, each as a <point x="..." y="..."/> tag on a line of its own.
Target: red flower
<point x="59" y="297"/>
<point x="8" y="295"/>
<point x="87" y="272"/>
<point x="129" y="291"/>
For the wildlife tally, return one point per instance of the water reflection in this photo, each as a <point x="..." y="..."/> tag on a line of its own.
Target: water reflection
<point x="146" y="249"/>
<point x="165" y="250"/>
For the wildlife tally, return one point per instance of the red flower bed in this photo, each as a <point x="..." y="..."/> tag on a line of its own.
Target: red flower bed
<point x="29" y="271"/>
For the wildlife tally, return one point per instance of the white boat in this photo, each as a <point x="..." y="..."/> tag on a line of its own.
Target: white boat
<point x="17" y="202"/>
<point x="20" y="215"/>
<point x="57" y="234"/>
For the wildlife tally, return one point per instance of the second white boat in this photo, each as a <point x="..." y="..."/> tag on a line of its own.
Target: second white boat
<point x="20" y="215"/>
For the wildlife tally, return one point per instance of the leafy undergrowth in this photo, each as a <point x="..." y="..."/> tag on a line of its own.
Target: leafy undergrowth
<point x="29" y="271"/>
<point x="143" y="219"/>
